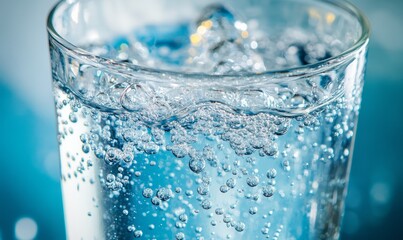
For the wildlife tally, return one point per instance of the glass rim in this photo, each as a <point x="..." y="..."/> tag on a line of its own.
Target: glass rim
<point x="97" y="60"/>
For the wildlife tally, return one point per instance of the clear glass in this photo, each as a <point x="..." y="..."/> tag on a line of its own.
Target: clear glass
<point x="250" y="142"/>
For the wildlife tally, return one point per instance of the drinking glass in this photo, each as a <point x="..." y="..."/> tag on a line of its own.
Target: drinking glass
<point x="206" y="119"/>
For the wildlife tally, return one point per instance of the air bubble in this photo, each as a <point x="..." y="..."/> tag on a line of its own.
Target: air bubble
<point x="272" y="173"/>
<point x="240" y="227"/>
<point x="252" y="181"/>
<point x="206" y="204"/>
<point x="180" y="236"/>
<point x="203" y="190"/>
<point x="219" y="211"/>
<point x="268" y="191"/>
<point x="113" y="156"/>
<point x="148" y="192"/>
<point x="183" y="218"/>
<point x="231" y="183"/>
<point x="197" y="165"/>
<point x="138" y="233"/>
<point x="73" y="118"/>
<point x="253" y="210"/>
<point x="164" y="194"/>
<point x="224" y="188"/>
<point x="156" y="201"/>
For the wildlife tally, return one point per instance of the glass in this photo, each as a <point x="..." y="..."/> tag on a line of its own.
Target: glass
<point x="206" y="119"/>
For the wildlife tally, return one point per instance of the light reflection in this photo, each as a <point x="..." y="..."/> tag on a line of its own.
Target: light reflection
<point x="75" y="13"/>
<point x="330" y="17"/>
<point x="380" y="193"/>
<point x="26" y="229"/>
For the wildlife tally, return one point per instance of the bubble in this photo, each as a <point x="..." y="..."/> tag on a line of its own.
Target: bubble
<point x="219" y="211"/>
<point x="180" y="236"/>
<point x="197" y="165"/>
<point x="231" y="183"/>
<point x="198" y="229"/>
<point x="240" y="227"/>
<point x="226" y="167"/>
<point x="265" y="230"/>
<point x="138" y="234"/>
<point x="252" y="181"/>
<point x="164" y="194"/>
<point x="183" y="217"/>
<point x="189" y="193"/>
<point x="268" y="191"/>
<point x="224" y="188"/>
<point x="84" y="138"/>
<point x="73" y="117"/>
<point x="131" y="228"/>
<point x="213" y="222"/>
<point x="110" y="178"/>
<point x="286" y="165"/>
<point x="148" y="192"/>
<point x="206" y="204"/>
<point x="220" y="44"/>
<point x="227" y="218"/>
<point x="253" y="210"/>
<point x="272" y="173"/>
<point x="125" y="212"/>
<point x="113" y="156"/>
<point x="85" y="148"/>
<point x="203" y="190"/>
<point x="270" y="149"/>
<point x="156" y="201"/>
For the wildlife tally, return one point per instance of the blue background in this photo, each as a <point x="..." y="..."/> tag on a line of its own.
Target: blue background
<point x="29" y="174"/>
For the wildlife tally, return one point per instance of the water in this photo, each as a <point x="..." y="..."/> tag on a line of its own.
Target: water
<point x="179" y="159"/>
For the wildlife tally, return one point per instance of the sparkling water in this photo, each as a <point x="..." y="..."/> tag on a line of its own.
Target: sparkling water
<point x="162" y="157"/>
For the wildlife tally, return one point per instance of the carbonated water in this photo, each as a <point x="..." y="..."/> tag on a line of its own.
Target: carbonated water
<point x="161" y="157"/>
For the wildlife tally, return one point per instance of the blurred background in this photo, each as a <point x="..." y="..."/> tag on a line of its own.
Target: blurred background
<point x="30" y="195"/>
